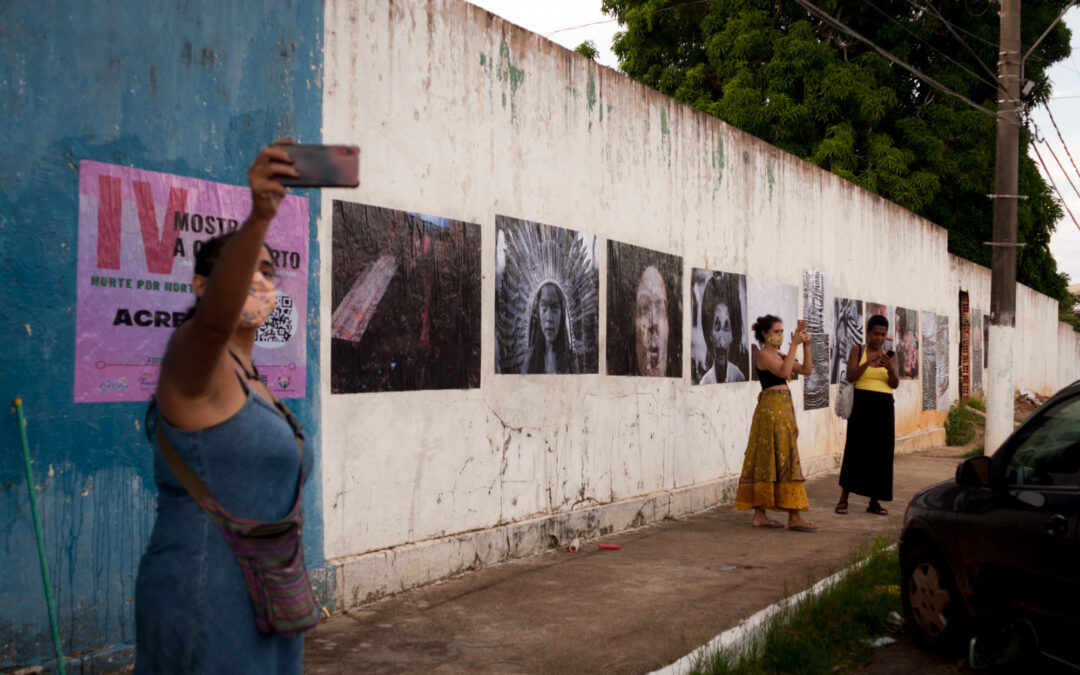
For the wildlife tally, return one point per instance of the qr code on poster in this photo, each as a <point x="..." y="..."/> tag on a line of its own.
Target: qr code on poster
<point x="281" y="324"/>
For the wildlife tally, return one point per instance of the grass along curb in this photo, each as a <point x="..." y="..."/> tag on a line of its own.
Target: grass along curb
<point x="774" y="640"/>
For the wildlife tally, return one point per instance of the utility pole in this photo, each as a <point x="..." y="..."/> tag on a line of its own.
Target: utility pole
<point x="999" y="393"/>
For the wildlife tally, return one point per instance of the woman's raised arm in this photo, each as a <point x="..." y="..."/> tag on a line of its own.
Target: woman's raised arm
<point x="198" y="345"/>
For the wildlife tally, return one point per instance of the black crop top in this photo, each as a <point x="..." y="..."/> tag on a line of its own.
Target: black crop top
<point x="768" y="379"/>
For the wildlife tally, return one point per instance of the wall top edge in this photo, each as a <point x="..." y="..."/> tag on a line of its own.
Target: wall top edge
<point x="484" y="17"/>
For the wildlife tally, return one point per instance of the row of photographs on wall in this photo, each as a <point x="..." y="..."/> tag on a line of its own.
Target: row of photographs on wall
<point x="406" y="297"/>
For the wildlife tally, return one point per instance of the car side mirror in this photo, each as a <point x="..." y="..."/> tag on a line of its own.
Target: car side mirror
<point x="974" y="472"/>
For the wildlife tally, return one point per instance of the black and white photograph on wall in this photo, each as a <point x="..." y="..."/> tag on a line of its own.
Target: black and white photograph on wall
<point x="929" y="328"/>
<point x="816" y="390"/>
<point x="906" y="339"/>
<point x="815" y="311"/>
<point x="847" y="332"/>
<point x="976" y="350"/>
<point x="771" y="297"/>
<point x="406" y="298"/>
<point x="942" y="345"/>
<point x="815" y="306"/>
<point x="644" y="312"/>
<point x="719" y="339"/>
<point x="887" y="311"/>
<point x="547" y="296"/>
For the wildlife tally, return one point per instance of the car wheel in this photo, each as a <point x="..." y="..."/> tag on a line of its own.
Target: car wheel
<point x="932" y="606"/>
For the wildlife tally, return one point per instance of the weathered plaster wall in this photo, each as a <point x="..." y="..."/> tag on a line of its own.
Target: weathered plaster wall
<point x="190" y="88"/>
<point x="1068" y="363"/>
<point x="1046" y="357"/>
<point x="463" y="115"/>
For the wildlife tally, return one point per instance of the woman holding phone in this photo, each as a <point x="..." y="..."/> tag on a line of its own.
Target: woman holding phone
<point x="193" y="609"/>
<point x="867" y="469"/>
<point x="772" y="477"/>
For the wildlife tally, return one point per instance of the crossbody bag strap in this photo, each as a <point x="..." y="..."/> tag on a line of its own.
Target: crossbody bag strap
<point x="194" y="486"/>
<point x="293" y="423"/>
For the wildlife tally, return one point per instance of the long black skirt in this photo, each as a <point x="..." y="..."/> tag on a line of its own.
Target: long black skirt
<point x="868" y="451"/>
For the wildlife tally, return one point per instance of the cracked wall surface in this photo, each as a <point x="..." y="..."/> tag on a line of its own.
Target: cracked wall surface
<point x="463" y="115"/>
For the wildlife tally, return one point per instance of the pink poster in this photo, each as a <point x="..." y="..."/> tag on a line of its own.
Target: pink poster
<point x="138" y="234"/>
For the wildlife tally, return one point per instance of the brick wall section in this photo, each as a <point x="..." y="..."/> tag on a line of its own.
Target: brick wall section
<point x="965" y="347"/>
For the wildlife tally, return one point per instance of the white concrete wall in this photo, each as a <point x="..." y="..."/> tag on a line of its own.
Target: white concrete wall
<point x="463" y="115"/>
<point x="1046" y="357"/>
<point x="1068" y="364"/>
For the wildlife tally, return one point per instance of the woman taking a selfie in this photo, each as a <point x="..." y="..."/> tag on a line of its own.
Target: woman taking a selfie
<point x="224" y="446"/>
<point x="772" y="477"/>
<point x="871" y="431"/>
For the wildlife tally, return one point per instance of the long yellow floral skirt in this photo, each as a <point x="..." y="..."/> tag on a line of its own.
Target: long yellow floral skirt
<point x="772" y="477"/>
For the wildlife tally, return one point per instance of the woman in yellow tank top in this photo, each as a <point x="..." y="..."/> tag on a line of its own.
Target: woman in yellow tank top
<point x="868" y="451"/>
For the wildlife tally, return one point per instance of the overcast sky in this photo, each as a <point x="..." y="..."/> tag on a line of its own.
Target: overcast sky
<point x="571" y="22"/>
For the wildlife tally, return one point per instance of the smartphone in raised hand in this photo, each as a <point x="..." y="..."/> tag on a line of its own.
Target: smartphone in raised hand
<point x="323" y="166"/>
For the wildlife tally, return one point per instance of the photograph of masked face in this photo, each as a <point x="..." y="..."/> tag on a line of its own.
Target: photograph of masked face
<point x="720" y="344"/>
<point x="644" y="329"/>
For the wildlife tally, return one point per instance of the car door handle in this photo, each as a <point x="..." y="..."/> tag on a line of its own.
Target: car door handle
<point x="1056" y="525"/>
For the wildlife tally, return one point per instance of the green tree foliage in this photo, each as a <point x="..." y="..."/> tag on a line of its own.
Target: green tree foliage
<point x="776" y="71"/>
<point x="588" y="49"/>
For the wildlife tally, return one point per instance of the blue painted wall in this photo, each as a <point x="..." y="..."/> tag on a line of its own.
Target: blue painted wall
<point x="184" y="87"/>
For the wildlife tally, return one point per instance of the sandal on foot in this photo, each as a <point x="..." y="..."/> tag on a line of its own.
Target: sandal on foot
<point x="808" y="527"/>
<point x="841" y="507"/>
<point x="877" y="509"/>
<point x="770" y="524"/>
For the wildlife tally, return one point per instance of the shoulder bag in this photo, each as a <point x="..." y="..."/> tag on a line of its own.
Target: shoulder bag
<point x="270" y="554"/>
<point x="845" y="398"/>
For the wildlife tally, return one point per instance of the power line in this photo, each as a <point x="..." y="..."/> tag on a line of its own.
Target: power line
<point x="1035" y="147"/>
<point x="584" y="25"/>
<point x="654" y="12"/>
<point x="813" y="9"/>
<point x="991" y="83"/>
<point x="963" y="30"/>
<point x="959" y="39"/>
<point x="954" y="26"/>
<point x="1062" y="139"/>
<point x="1061" y="166"/>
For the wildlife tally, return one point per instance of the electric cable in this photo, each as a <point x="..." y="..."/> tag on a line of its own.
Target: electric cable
<point x="991" y="83"/>
<point x="813" y="9"/>
<point x="654" y="12"/>
<point x="1046" y="172"/>
<point x="965" y="45"/>
<point x="1062" y="139"/>
<point x="1062" y="167"/>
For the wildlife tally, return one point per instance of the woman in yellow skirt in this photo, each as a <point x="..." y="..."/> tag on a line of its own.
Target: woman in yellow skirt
<point x="772" y="478"/>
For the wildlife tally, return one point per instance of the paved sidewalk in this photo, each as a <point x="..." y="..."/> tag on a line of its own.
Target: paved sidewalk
<point x="671" y="587"/>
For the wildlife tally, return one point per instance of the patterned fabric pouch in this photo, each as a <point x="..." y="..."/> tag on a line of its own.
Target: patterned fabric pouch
<point x="270" y="554"/>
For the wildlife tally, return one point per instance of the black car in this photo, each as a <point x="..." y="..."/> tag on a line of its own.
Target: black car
<point x="998" y="545"/>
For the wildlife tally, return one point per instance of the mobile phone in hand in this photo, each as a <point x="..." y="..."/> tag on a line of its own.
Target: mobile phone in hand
<point x="890" y="353"/>
<point x="800" y="326"/>
<point x="323" y="166"/>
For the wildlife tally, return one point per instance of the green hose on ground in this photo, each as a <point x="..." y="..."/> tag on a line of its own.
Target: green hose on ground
<point x="40" y="536"/>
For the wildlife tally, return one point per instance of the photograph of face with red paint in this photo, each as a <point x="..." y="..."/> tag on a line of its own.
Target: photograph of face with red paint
<point x="644" y="315"/>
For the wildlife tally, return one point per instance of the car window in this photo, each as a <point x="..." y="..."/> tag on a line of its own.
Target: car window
<point x="1048" y="454"/>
